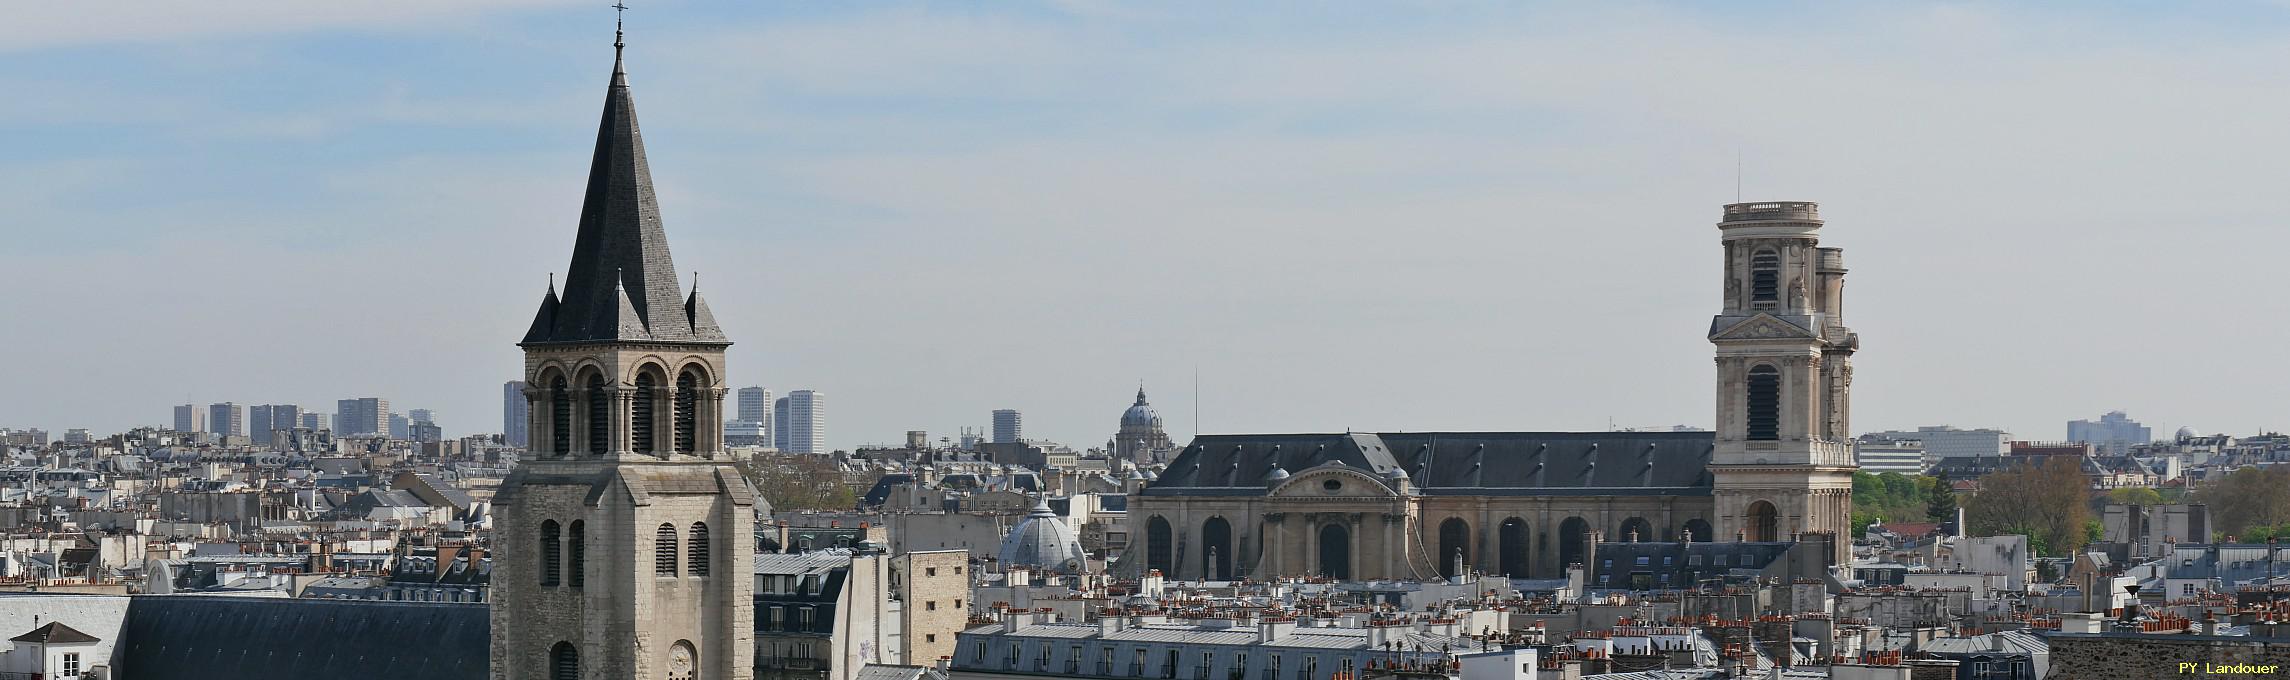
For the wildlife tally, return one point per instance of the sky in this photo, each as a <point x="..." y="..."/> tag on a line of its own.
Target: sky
<point x="1339" y="216"/>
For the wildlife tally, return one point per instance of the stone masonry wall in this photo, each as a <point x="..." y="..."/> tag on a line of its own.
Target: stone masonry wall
<point x="2155" y="657"/>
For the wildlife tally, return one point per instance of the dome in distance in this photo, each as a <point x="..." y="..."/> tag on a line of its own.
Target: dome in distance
<point x="2189" y="432"/>
<point x="1044" y="542"/>
<point x="1140" y="414"/>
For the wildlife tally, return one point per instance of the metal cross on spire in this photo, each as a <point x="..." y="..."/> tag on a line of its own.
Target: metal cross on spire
<point x="619" y="10"/>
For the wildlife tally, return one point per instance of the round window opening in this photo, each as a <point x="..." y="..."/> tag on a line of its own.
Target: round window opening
<point x="1332" y="485"/>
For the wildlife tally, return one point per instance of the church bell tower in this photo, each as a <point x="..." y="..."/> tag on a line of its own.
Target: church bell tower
<point x="1784" y="463"/>
<point x="623" y="540"/>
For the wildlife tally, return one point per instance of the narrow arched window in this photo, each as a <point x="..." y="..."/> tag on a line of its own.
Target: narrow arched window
<point x="564" y="662"/>
<point x="696" y="557"/>
<point x="687" y="416"/>
<point x="551" y="554"/>
<point x="1765" y="279"/>
<point x="577" y="543"/>
<point x="599" y="415"/>
<point x="1764" y="403"/>
<point x="640" y="414"/>
<point x="560" y="417"/>
<point x="664" y="551"/>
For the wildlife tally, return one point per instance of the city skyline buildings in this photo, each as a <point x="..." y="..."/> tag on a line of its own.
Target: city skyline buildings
<point x="1488" y="189"/>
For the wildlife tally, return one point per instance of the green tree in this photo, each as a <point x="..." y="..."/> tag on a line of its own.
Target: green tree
<point x="2135" y="496"/>
<point x="2248" y="498"/>
<point x="2048" y="501"/>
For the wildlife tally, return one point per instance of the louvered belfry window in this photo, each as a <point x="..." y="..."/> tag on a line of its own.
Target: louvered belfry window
<point x="696" y="558"/>
<point x="599" y="415"/>
<point x="687" y="419"/>
<point x="560" y="417"/>
<point x="640" y="414"/>
<point x="551" y="554"/>
<point x="577" y="546"/>
<point x="664" y="551"/>
<point x="1764" y="403"/>
<point x="1764" y="279"/>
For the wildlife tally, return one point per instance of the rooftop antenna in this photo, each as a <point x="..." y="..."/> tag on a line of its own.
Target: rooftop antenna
<point x="1196" y="401"/>
<point x="1737" y="175"/>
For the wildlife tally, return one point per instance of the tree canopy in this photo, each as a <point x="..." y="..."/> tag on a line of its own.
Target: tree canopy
<point x="1896" y="497"/>
<point x="2247" y="499"/>
<point x="2048" y="501"/>
<point x="799" y="482"/>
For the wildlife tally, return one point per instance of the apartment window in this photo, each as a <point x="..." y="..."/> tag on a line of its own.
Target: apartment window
<point x="778" y="617"/>
<point x="1239" y="665"/>
<point x="71" y="665"/>
<point x="1693" y="560"/>
<point x="803" y="618"/>
<point x="1073" y="660"/>
<point x="1310" y="667"/>
<point x="1272" y="667"/>
<point x="1137" y="663"/>
<point x="981" y="652"/>
<point x="1644" y="560"/>
<point x="1720" y="560"/>
<point x="1042" y="661"/>
<point x="1105" y="661"/>
<point x="1011" y="661"/>
<point x="1201" y="672"/>
<point x="1169" y="666"/>
<point x="811" y="584"/>
<point x="1345" y="665"/>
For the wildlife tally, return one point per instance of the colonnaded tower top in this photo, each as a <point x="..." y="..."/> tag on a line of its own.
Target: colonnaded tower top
<point x="622" y="539"/>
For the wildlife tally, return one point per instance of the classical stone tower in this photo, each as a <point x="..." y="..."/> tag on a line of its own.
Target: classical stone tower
<point x="1783" y="462"/>
<point x="623" y="542"/>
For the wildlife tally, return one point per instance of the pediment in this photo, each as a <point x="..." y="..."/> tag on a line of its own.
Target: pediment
<point x="1333" y="480"/>
<point x="1763" y="327"/>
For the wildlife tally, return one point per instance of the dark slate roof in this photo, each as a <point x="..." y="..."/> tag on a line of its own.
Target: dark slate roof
<point x="55" y="633"/>
<point x="1459" y="463"/>
<point x="622" y="283"/>
<point x="189" y="637"/>
<point x="1684" y="563"/>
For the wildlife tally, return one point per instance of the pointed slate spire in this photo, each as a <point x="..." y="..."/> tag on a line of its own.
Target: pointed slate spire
<point x="696" y="311"/>
<point x="546" y="318"/>
<point x="626" y="323"/>
<point x="622" y="283"/>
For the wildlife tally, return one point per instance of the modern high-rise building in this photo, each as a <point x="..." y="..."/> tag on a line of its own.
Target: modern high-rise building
<point x="754" y="404"/>
<point x="362" y="416"/>
<point x="421" y="415"/>
<point x="2114" y="433"/>
<point x="1942" y="441"/>
<point x="1879" y="455"/>
<point x="262" y="419"/>
<point x="626" y="551"/>
<point x="806" y="422"/>
<point x="779" y="421"/>
<point x="1009" y="426"/>
<point x="188" y="418"/>
<point x="316" y="421"/>
<point x="77" y="436"/>
<point x="753" y="428"/>
<point x="226" y="418"/>
<point x="516" y="412"/>
<point x="401" y="427"/>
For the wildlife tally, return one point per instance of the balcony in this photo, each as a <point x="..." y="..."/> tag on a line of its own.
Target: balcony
<point x="1777" y="210"/>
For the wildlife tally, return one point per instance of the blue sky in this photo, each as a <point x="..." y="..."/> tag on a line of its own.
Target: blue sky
<point x="1346" y="215"/>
